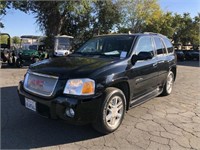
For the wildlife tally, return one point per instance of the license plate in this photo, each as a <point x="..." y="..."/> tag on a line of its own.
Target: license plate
<point x="30" y="104"/>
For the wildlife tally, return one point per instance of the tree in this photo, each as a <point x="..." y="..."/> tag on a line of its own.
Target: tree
<point x="3" y="39"/>
<point x="195" y="30"/>
<point x="162" y="25"/>
<point x="106" y="15"/>
<point x="57" y="17"/>
<point x="16" y="40"/>
<point x="186" y="29"/>
<point x="81" y="19"/>
<point x="137" y="13"/>
<point x="3" y="6"/>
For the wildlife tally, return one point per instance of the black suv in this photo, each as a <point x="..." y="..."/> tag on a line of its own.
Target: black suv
<point x="101" y="80"/>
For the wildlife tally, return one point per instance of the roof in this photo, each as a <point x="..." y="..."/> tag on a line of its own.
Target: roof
<point x="5" y="34"/>
<point x="30" y="36"/>
<point x="133" y="34"/>
<point x="64" y="36"/>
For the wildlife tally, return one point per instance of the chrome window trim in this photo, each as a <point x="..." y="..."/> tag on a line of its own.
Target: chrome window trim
<point x="42" y="75"/>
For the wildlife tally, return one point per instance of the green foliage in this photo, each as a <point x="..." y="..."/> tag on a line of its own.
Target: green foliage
<point x="106" y="15"/>
<point x="3" y="6"/>
<point x="162" y="24"/>
<point x="137" y="13"/>
<point x="86" y="18"/>
<point x="186" y="29"/>
<point x="16" y="40"/>
<point x="3" y="39"/>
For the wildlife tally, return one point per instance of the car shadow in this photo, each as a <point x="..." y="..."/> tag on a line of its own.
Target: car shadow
<point x="6" y="66"/>
<point x="23" y="129"/>
<point x="189" y="63"/>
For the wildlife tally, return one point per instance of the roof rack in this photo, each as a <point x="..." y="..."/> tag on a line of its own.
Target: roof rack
<point x="154" y="33"/>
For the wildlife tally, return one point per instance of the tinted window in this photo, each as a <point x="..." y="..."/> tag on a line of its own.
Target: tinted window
<point x="160" y="48"/>
<point x="168" y="45"/>
<point x="145" y="45"/>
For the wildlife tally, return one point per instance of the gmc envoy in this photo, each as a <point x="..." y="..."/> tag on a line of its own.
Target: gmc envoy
<point x="101" y="80"/>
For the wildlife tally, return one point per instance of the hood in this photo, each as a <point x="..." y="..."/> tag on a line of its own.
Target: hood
<point x="71" y="67"/>
<point x="28" y="52"/>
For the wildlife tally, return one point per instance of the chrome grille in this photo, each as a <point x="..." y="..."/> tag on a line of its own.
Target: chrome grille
<point x="40" y="84"/>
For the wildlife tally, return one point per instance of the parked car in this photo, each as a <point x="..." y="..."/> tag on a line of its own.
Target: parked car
<point x="188" y="54"/>
<point x="195" y="54"/>
<point x="101" y="80"/>
<point x="191" y="54"/>
<point x="180" y="55"/>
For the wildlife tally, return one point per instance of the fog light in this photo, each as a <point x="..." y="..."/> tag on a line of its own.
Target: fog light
<point x="70" y="112"/>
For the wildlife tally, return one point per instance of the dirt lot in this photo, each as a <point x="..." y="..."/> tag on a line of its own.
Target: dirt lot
<point x="166" y="123"/>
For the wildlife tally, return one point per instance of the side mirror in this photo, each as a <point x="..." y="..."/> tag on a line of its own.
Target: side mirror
<point x="141" y="56"/>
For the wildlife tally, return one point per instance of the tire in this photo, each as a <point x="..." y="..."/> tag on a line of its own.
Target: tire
<point x="167" y="89"/>
<point x="36" y="60"/>
<point x="10" y="61"/>
<point x="111" y="112"/>
<point x="19" y="63"/>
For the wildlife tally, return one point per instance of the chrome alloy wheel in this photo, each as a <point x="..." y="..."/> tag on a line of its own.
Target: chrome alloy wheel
<point x="114" y="112"/>
<point x="170" y="81"/>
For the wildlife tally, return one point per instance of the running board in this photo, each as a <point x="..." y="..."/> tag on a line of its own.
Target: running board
<point x="144" y="98"/>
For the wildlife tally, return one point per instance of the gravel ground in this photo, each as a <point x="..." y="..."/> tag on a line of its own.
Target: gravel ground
<point x="165" y="123"/>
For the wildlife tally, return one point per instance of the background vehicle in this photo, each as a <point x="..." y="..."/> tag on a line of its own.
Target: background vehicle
<point x="31" y="52"/>
<point x="180" y="55"/>
<point x="195" y="54"/>
<point x="7" y="55"/>
<point x="100" y="81"/>
<point x="63" y="45"/>
<point x="188" y="55"/>
<point x="191" y="54"/>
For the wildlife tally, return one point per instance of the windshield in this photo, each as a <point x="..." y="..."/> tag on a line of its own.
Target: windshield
<point x="63" y="43"/>
<point x="117" y="46"/>
<point x="29" y="47"/>
<point x="33" y="47"/>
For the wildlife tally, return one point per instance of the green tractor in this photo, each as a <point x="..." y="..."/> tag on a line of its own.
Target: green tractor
<point x="33" y="50"/>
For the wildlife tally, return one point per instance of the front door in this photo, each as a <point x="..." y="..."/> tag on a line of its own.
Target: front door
<point x="143" y="74"/>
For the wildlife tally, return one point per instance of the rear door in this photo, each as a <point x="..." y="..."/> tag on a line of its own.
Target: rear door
<point x="161" y="55"/>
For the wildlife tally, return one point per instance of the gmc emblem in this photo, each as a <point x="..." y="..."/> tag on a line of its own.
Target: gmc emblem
<point x="35" y="83"/>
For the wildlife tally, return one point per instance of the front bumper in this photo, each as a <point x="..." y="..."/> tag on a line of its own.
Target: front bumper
<point x="85" y="110"/>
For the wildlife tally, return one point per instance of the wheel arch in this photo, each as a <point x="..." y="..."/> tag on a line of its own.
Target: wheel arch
<point x="125" y="88"/>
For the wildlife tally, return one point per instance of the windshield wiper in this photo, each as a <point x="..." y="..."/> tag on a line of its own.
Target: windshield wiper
<point x="95" y="54"/>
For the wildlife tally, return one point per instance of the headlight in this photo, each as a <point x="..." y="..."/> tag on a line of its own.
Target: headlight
<point x="80" y="87"/>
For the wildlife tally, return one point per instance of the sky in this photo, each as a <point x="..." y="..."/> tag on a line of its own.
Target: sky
<point x="18" y="23"/>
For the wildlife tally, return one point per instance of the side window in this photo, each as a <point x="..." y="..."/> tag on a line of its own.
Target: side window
<point x="145" y="45"/>
<point x="169" y="46"/>
<point x="160" y="48"/>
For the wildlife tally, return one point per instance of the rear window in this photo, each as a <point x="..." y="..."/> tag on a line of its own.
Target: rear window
<point x="160" y="48"/>
<point x="168" y="45"/>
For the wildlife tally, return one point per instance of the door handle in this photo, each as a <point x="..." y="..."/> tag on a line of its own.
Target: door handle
<point x="162" y="61"/>
<point x="155" y="64"/>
